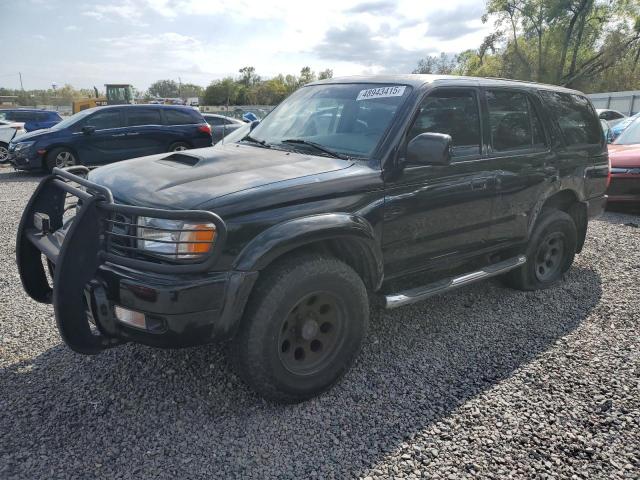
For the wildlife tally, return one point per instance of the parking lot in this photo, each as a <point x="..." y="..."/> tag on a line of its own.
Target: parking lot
<point x="486" y="382"/>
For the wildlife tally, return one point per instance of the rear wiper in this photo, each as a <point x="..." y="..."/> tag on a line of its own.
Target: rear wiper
<point x="317" y="146"/>
<point x="249" y="138"/>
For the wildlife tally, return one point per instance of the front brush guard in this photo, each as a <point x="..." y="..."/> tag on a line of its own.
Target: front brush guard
<point x="76" y="261"/>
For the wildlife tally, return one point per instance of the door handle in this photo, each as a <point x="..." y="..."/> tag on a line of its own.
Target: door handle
<point x="132" y="134"/>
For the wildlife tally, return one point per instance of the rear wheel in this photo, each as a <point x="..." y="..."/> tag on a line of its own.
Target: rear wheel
<point x="550" y="252"/>
<point x="303" y="328"/>
<point x="179" y="146"/>
<point x="4" y="152"/>
<point x="61" y="158"/>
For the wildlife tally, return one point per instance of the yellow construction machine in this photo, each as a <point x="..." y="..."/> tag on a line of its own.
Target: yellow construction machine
<point x="117" y="94"/>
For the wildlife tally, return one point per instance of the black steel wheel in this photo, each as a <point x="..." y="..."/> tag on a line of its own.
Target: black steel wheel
<point x="302" y="328"/>
<point x="550" y="252"/>
<point x="312" y="333"/>
<point x="548" y="259"/>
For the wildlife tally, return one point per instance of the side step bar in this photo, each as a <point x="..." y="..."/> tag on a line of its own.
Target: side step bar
<point x="418" y="294"/>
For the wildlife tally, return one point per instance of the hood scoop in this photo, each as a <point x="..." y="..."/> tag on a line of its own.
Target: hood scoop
<point x="180" y="160"/>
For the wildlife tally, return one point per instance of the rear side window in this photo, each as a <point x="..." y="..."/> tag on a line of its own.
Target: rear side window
<point x="452" y="112"/>
<point x="178" y="117"/>
<point x="213" y="121"/>
<point x="23" y="116"/>
<point x="143" y="116"/>
<point x="575" y="116"/>
<point x="104" y="119"/>
<point x="514" y="123"/>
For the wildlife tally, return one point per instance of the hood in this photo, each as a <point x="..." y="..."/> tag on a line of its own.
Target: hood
<point x="624" y="156"/>
<point x="185" y="180"/>
<point x="31" y="136"/>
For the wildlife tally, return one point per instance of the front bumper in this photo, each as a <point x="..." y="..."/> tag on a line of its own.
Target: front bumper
<point x="625" y="187"/>
<point x="187" y="304"/>
<point x="25" y="160"/>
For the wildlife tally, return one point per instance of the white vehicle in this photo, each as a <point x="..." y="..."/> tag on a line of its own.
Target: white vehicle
<point x="8" y="130"/>
<point x="611" y="116"/>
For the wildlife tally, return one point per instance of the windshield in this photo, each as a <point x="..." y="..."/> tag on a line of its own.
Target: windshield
<point x="348" y="119"/>
<point x="630" y="135"/>
<point x="67" y="122"/>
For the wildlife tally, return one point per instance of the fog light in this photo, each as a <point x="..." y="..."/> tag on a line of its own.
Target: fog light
<point x="131" y="318"/>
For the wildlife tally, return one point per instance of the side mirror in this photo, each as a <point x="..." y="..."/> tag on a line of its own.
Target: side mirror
<point x="429" y="149"/>
<point x="88" y="130"/>
<point x="254" y="124"/>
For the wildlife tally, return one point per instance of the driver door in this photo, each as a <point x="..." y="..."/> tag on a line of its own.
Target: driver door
<point x="441" y="213"/>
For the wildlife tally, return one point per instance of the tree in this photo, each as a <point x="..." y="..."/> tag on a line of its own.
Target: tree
<point x="164" y="89"/>
<point x="190" y="90"/>
<point x="221" y="92"/>
<point x="248" y="76"/>
<point x="325" y="74"/>
<point x="306" y="76"/>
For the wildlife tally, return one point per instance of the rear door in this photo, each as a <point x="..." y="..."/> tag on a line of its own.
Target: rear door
<point x="438" y="214"/>
<point x="582" y="155"/>
<point x="526" y="166"/>
<point x="145" y="132"/>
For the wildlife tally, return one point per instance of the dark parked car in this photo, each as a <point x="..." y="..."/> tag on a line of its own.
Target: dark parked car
<point x="399" y="187"/>
<point x="33" y="119"/>
<point x="625" y="167"/>
<point x="102" y="135"/>
<point x="221" y="126"/>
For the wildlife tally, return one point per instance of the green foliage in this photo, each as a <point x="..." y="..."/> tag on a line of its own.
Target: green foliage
<point x="222" y="92"/>
<point x="591" y="45"/>
<point x="164" y="89"/>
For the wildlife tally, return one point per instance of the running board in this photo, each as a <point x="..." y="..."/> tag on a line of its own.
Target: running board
<point x="418" y="294"/>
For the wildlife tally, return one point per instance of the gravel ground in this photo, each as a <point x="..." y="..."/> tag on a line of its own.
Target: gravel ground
<point x="485" y="382"/>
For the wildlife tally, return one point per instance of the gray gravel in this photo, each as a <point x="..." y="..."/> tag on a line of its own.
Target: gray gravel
<point x="485" y="382"/>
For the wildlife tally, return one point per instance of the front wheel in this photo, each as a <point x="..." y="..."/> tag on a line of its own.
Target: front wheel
<point x="61" y="158"/>
<point x="302" y="329"/>
<point x="4" y="152"/>
<point x="550" y="252"/>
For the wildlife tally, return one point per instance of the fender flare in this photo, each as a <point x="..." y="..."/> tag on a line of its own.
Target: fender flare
<point x="287" y="236"/>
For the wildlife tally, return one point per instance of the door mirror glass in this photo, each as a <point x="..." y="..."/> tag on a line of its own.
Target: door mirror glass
<point x="88" y="129"/>
<point x="429" y="149"/>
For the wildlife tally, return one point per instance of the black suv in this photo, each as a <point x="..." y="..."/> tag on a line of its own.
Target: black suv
<point x="391" y="187"/>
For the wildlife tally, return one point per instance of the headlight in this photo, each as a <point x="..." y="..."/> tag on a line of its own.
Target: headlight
<point x="175" y="239"/>
<point x="20" y="146"/>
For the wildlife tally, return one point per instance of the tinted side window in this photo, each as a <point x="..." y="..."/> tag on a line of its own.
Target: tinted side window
<point x="176" y="117"/>
<point x="513" y="121"/>
<point x="143" y="116"/>
<point x="455" y="113"/>
<point x="575" y="116"/>
<point x="23" y="116"/>
<point x="104" y="119"/>
<point x="213" y="121"/>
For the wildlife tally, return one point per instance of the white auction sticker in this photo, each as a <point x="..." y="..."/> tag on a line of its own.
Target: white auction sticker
<point x="382" y="92"/>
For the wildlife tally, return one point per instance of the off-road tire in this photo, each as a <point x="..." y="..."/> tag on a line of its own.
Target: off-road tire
<point x="256" y="349"/>
<point x="50" y="159"/>
<point x="552" y="224"/>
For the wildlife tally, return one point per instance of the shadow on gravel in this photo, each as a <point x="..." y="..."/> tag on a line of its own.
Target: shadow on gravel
<point x="8" y="175"/>
<point x="139" y="412"/>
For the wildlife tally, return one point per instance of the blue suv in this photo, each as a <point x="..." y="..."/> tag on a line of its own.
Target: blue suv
<point x="102" y="135"/>
<point x="32" y="118"/>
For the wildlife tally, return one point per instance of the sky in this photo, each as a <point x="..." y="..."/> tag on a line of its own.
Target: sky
<point x="125" y="41"/>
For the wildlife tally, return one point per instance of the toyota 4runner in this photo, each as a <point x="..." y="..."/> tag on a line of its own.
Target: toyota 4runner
<point x="395" y="187"/>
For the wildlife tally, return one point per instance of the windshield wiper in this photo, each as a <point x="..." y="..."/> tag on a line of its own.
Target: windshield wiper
<point x="249" y="138"/>
<point x="317" y="146"/>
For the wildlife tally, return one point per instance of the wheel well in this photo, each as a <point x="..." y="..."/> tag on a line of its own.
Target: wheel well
<point x="348" y="250"/>
<point x="53" y="147"/>
<point x="567" y="201"/>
